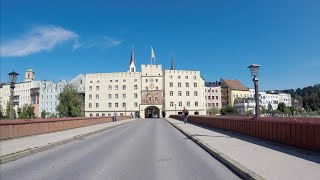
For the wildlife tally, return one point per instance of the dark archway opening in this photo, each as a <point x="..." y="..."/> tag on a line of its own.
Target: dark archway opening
<point x="152" y="112"/>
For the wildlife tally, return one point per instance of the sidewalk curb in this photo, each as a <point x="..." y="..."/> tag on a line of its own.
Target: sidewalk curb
<point x="237" y="168"/>
<point x="21" y="154"/>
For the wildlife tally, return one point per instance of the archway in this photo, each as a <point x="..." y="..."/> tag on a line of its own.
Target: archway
<point x="151" y="112"/>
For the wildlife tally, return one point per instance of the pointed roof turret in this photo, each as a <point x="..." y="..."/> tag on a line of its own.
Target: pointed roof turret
<point x="172" y="63"/>
<point x="132" y="60"/>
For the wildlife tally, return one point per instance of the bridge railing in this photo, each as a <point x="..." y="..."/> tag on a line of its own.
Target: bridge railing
<point x="299" y="132"/>
<point x="20" y="128"/>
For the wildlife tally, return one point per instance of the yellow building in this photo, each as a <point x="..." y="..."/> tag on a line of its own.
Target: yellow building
<point x="231" y="90"/>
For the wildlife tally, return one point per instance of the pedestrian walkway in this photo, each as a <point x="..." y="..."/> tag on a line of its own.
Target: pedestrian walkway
<point x="269" y="160"/>
<point x="16" y="145"/>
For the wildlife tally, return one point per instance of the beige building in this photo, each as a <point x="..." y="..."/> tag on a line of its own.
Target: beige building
<point x="23" y="93"/>
<point x="151" y="92"/>
<point x="231" y="90"/>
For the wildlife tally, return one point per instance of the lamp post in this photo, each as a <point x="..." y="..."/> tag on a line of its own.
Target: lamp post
<point x="13" y="78"/>
<point x="175" y="109"/>
<point x="254" y="69"/>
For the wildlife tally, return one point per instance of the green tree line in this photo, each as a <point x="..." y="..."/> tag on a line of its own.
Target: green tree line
<point x="309" y="96"/>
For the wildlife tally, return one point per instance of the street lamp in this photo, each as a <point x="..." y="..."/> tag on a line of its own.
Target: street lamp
<point x="13" y="78"/>
<point x="175" y="109"/>
<point x="254" y="69"/>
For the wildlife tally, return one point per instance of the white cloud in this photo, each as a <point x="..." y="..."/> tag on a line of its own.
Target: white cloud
<point x="40" y="38"/>
<point x="111" y="42"/>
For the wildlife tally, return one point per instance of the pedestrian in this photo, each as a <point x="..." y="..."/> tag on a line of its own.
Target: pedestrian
<point x="115" y="118"/>
<point x="185" y="114"/>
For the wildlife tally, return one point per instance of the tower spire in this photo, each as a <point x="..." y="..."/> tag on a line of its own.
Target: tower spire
<point x="132" y="64"/>
<point x="172" y="62"/>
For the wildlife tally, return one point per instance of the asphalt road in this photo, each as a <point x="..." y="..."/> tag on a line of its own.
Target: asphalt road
<point x="144" y="149"/>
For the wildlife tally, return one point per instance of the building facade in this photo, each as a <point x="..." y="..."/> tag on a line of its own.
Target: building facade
<point x="151" y="92"/>
<point x="213" y="95"/>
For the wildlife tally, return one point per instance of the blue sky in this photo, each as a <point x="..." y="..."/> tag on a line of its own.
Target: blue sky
<point x="60" y="39"/>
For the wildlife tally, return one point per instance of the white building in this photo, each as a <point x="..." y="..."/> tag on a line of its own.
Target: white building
<point x="266" y="99"/>
<point x="212" y="95"/>
<point x="22" y="93"/>
<point x="49" y="93"/>
<point x="42" y="95"/>
<point x="153" y="91"/>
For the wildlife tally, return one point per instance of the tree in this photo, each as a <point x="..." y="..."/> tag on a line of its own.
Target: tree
<point x="1" y="113"/>
<point x="263" y="110"/>
<point x="287" y="111"/>
<point x="43" y="114"/>
<point x="228" y="111"/>
<point x="213" y="111"/>
<point x="26" y="112"/>
<point x="281" y="106"/>
<point x="69" y="102"/>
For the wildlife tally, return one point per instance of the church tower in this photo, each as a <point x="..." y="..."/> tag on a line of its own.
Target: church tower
<point x="132" y="64"/>
<point x="29" y="75"/>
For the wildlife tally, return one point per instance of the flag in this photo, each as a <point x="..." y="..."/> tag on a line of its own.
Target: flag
<point x="153" y="56"/>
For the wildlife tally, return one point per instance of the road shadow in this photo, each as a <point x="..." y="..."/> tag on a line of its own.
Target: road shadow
<point x="300" y="153"/>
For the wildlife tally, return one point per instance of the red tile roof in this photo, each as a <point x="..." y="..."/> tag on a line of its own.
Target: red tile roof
<point x="235" y="85"/>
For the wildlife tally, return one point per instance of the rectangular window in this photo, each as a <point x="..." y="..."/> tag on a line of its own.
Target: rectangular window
<point x="156" y="80"/>
<point x="135" y="80"/>
<point x="103" y="114"/>
<point x="195" y="85"/>
<point x="146" y="80"/>
<point x="90" y="81"/>
<point x="194" y="77"/>
<point x="195" y="93"/>
<point x="135" y="104"/>
<point x="179" y="93"/>
<point x="209" y="97"/>
<point x="124" y="80"/>
<point x="171" y="93"/>
<point x="157" y="88"/>
<point x="135" y="95"/>
<point x="124" y="87"/>
<point x="187" y="84"/>
<point x="216" y="97"/>
<point x="123" y="104"/>
<point x="124" y="96"/>
<point x="97" y="105"/>
<point x="97" y="114"/>
<point x="109" y="96"/>
<point x="116" y="87"/>
<point x="98" y="81"/>
<point x="135" y="86"/>
<point x="217" y="104"/>
<point x="110" y="88"/>
<point x="188" y="103"/>
<point x="186" y="77"/>
<point x="110" y="80"/>
<point x="116" y="80"/>
<point x="109" y="105"/>
<point x="90" y="96"/>
<point x="196" y="103"/>
<point x="91" y="115"/>
<point x="146" y="88"/>
<point x="97" y="88"/>
<point x="170" y="77"/>
<point x="180" y="103"/>
<point x="90" y="88"/>
<point x="187" y="93"/>
<point x="97" y="96"/>
<point x="171" y="84"/>
<point x="116" y="96"/>
<point x="90" y="105"/>
<point x="179" y="77"/>
<point x="155" y="98"/>
<point x="179" y="84"/>
<point x="171" y="104"/>
<point x="116" y="105"/>
<point x="212" y="97"/>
